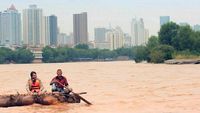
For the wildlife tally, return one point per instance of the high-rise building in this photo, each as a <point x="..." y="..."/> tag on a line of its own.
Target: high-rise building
<point x="134" y="32"/>
<point x="137" y="32"/>
<point x="115" y="38"/>
<point x="33" y="26"/>
<point x="62" y="39"/>
<point x="196" y="27"/>
<point x="164" y="20"/>
<point x="10" y="27"/>
<point x="53" y="30"/>
<point x="101" y="41"/>
<point x="102" y="45"/>
<point x="46" y="34"/>
<point x="141" y="32"/>
<point x="127" y="40"/>
<point x="146" y="34"/>
<point x="184" y="24"/>
<point x="1" y="39"/>
<point x="80" y="28"/>
<point x="72" y="39"/>
<point x="100" y="34"/>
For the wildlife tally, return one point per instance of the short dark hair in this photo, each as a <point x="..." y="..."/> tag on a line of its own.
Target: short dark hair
<point x="59" y="70"/>
<point x="32" y="72"/>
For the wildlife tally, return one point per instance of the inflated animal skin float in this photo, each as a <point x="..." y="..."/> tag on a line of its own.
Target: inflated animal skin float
<point x="44" y="99"/>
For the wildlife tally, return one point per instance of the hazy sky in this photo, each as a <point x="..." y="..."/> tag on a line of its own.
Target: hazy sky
<point x="115" y="12"/>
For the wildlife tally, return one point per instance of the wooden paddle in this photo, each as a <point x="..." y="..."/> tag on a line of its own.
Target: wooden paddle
<point x="86" y="101"/>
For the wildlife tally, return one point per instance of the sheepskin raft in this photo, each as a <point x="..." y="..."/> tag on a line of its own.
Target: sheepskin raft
<point x="44" y="99"/>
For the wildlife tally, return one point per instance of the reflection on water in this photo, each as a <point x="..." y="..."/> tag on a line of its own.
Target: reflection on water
<point x="53" y="108"/>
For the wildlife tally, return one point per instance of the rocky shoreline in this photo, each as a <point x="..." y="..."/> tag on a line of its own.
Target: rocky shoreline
<point x="183" y="61"/>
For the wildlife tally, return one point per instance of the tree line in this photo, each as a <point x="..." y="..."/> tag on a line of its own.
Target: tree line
<point x="20" y="55"/>
<point x="81" y="52"/>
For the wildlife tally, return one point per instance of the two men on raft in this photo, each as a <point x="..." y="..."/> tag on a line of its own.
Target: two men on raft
<point x="58" y="83"/>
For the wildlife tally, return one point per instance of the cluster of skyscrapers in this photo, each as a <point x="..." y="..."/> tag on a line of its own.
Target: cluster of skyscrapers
<point x="36" y="30"/>
<point x="116" y="38"/>
<point x="40" y="31"/>
<point x="33" y="29"/>
<point x="109" y="38"/>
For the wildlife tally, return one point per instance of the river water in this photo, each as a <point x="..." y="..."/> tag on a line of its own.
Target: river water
<point x="112" y="87"/>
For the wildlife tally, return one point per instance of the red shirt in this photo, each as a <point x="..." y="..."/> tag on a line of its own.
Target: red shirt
<point x="60" y="79"/>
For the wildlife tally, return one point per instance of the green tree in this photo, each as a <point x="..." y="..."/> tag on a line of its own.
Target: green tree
<point x="184" y="39"/>
<point x="82" y="46"/>
<point x="6" y="55"/>
<point x="103" y="54"/>
<point x="123" y="51"/>
<point x="157" y="56"/>
<point x="61" y="54"/>
<point x="72" y="54"/>
<point x="140" y="53"/>
<point x="23" y="55"/>
<point x="196" y="46"/>
<point x="161" y="53"/>
<point x="48" y="54"/>
<point x="152" y="42"/>
<point x="167" y="33"/>
<point x="94" y="53"/>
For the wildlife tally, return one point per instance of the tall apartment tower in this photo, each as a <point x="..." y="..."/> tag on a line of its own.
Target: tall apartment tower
<point x="33" y="26"/>
<point x="164" y="20"/>
<point x="100" y="34"/>
<point x="115" y="37"/>
<point x="10" y="27"/>
<point x="53" y="30"/>
<point x="138" y="35"/>
<point x="80" y="28"/>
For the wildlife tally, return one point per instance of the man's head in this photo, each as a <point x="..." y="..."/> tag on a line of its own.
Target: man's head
<point x="33" y="76"/>
<point x="59" y="72"/>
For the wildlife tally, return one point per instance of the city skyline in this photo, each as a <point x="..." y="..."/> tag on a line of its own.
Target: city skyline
<point x="102" y="13"/>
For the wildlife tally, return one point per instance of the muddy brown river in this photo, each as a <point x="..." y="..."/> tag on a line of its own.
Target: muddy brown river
<point x="112" y="87"/>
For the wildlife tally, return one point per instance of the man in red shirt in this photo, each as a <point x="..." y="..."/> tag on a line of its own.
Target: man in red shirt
<point x="59" y="83"/>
